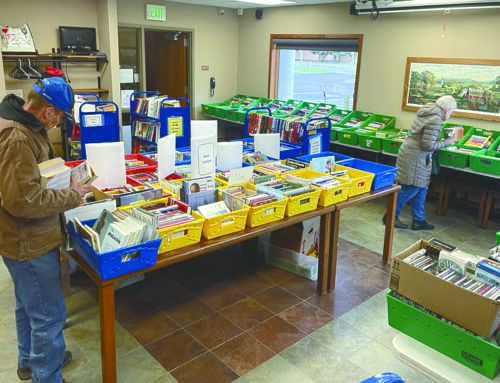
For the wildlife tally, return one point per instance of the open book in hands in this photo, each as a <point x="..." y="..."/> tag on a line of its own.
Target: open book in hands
<point x="84" y="173"/>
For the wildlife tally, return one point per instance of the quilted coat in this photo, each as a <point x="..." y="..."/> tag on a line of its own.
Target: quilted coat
<point x="414" y="161"/>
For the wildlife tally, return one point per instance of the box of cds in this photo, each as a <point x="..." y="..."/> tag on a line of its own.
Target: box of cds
<point x="448" y="288"/>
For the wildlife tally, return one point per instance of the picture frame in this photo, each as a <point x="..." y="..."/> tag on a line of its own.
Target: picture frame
<point x="474" y="83"/>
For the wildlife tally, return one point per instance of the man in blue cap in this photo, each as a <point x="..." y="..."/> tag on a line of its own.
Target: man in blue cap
<point x="30" y="226"/>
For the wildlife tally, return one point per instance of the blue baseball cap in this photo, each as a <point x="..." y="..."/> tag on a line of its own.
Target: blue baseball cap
<point x="57" y="92"/>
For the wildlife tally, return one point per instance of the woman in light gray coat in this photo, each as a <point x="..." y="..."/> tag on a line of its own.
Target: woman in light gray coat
<point x="415" y="159"/>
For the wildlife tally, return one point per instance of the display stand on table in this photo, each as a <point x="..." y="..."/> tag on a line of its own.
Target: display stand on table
<point x="323" y="133"/>
<point x="171" y="120"/>
<point x="99" y="126"/>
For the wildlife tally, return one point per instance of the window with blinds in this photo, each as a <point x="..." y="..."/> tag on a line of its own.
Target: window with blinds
<point x="316" y="68"/>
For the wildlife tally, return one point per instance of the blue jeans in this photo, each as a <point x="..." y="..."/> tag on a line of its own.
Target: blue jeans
<point x="417" y="197"/>
<point x="40" y="316"/>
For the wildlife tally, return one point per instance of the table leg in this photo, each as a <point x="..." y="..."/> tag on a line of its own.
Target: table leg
<point x="389" y="226"/>
<point x="108" y="346"/>
<point x="334" y="244"/>
<point x="323" y="256"/>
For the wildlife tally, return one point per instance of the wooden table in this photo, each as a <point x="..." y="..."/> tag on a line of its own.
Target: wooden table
<point x="327" y="259"/>
<point x="391" y="192"/>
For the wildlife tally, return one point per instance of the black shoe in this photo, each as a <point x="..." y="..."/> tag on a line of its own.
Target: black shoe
<point x="421" y="225"/>
<point x="397" y="223"/>
<point x="25" y="373"/>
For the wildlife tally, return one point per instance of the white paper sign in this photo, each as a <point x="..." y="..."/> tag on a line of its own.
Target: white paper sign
<point x="204" y="128"/>
<point x="315" y="144"/>
<point x="93" y="120"/>
<point x="166" y="156"/>
<point x="203" y="152"/>
<point x="108" y="161"/>
<point x="125" y="95"/>
<point x="241" y="175"/>
<point x="269" y="144"/>
<point x="126" y="75"/>
<point x="229" y="155"/>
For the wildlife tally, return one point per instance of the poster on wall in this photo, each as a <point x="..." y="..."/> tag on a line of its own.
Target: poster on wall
<point x="475" y="85"/>
<point x="17" y="39"/>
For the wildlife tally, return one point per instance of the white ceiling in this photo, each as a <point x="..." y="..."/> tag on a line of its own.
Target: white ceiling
<point x="242" y="5"/>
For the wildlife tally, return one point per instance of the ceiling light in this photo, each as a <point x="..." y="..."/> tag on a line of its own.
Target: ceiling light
<point x="267" y="2"/>
<point x="359" y="8"/>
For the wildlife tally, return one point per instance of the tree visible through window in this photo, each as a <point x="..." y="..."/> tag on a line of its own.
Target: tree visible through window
<point x="316" y="69"/>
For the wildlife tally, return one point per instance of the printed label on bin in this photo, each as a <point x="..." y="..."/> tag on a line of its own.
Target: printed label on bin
<point x="337" y="192"/>
<point x="361" y="184"/>
<point x="269" y="211"/>
<point x="304" y="201"/>
<point x="472" y="358"/>
<point x="179" y="234"/>
<point x="228" y="221"/>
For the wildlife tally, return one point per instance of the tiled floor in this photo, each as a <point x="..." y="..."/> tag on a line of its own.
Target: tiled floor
<point x="222" y="317"/>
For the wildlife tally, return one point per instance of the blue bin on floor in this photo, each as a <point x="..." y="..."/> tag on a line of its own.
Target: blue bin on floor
<point x="384" y="174"/>
<point x="385" y="377"/>
<point x="340" y="159"/>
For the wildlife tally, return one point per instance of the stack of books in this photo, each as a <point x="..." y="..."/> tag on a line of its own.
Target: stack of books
<point x="479" y="142"/>
<point x="236" y="197"/>
<point x="247" y="101"/>
<point x="147" y="130"/>
<point x="277" y="167"/>
<point x="134" y="163"/>
<point x="460" y="150"/>
<point x="133" y="195"/>
<point x="54" y="174"/>
<point x="374" y="125"/>
<point x="144" y="177"/>
<point x="284" y="188"/>
<point x="255" y="158"/>
<point x="353" y="123"/>
<point x="163" y="214"/>
<point x="336" y="118"/>
<point x="151" y="106"/>
<point x="235" y="100"/>
<point x="115" y="230"/>
<point x="324" y="182"/>
<point x="321" y="111"/>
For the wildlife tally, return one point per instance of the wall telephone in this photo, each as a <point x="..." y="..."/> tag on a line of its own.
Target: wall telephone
<point x="212" y="86"/>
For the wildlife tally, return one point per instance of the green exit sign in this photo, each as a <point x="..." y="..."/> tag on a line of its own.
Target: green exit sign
<point x="156" y="12"/>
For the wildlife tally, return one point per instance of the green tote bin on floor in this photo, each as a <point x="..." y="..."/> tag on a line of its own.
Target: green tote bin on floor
<point x="459" y="345"/>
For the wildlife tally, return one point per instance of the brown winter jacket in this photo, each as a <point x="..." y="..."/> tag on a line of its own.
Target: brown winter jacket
<point x="29" y="215"/>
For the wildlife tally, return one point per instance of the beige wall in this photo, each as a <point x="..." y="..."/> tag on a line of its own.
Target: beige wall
<point x="386" y="44"/>
<point x="44" y="22"/>
<point x="215" y="43"/>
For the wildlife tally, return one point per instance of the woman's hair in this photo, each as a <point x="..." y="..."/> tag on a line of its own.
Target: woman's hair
<point x="445" y="102"/>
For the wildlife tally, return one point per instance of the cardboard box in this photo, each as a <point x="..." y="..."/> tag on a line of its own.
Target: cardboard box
<point x="472" y="311"/>
<point x="302" y="238"/>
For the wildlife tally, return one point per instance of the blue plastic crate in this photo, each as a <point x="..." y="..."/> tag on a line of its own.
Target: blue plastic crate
<point x="187" y="157"/>
<point x="340" y="159"/>
<point x="384" y="174"/>
<point x="109" y="265"/>
<point x="150" y="155"/>
<point x="292" y="150"/>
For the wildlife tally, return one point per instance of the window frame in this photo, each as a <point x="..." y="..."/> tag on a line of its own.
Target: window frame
<point x="272" y="87"/>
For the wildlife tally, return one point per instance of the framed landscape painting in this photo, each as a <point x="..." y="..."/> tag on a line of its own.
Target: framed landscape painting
<point x="475" y="85"/>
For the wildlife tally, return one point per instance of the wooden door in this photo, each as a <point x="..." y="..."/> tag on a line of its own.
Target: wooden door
<point x="166" y="63"/>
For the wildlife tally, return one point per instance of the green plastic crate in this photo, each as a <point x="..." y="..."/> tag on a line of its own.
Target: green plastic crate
<point x="220" y="111"/>
<point x="373" y="140"/>
<point x="486" y="161"/>
<point x="259" y="103"/>
<point x="287" y="108"/>
<point x="342" y="113"/>
<point x="459" y="345"/>
<point x="388" y="121"/>
<point x="304" y="109"/>
<point x="498" y="238"/>
<point x="362" y="116"/>
<point x="322" y="110"/>
<point x="391" y="145"/>
<point x="232" y="112"/>
<point x="210" y="108"/>
<point x="348" y="136"/>
<point x="248" y="103"/>
<point x="449" y="156"/>
<point x="274" y="105"/>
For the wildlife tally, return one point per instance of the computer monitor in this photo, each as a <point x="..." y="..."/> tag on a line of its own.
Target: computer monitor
<point x="78" y="40"/>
